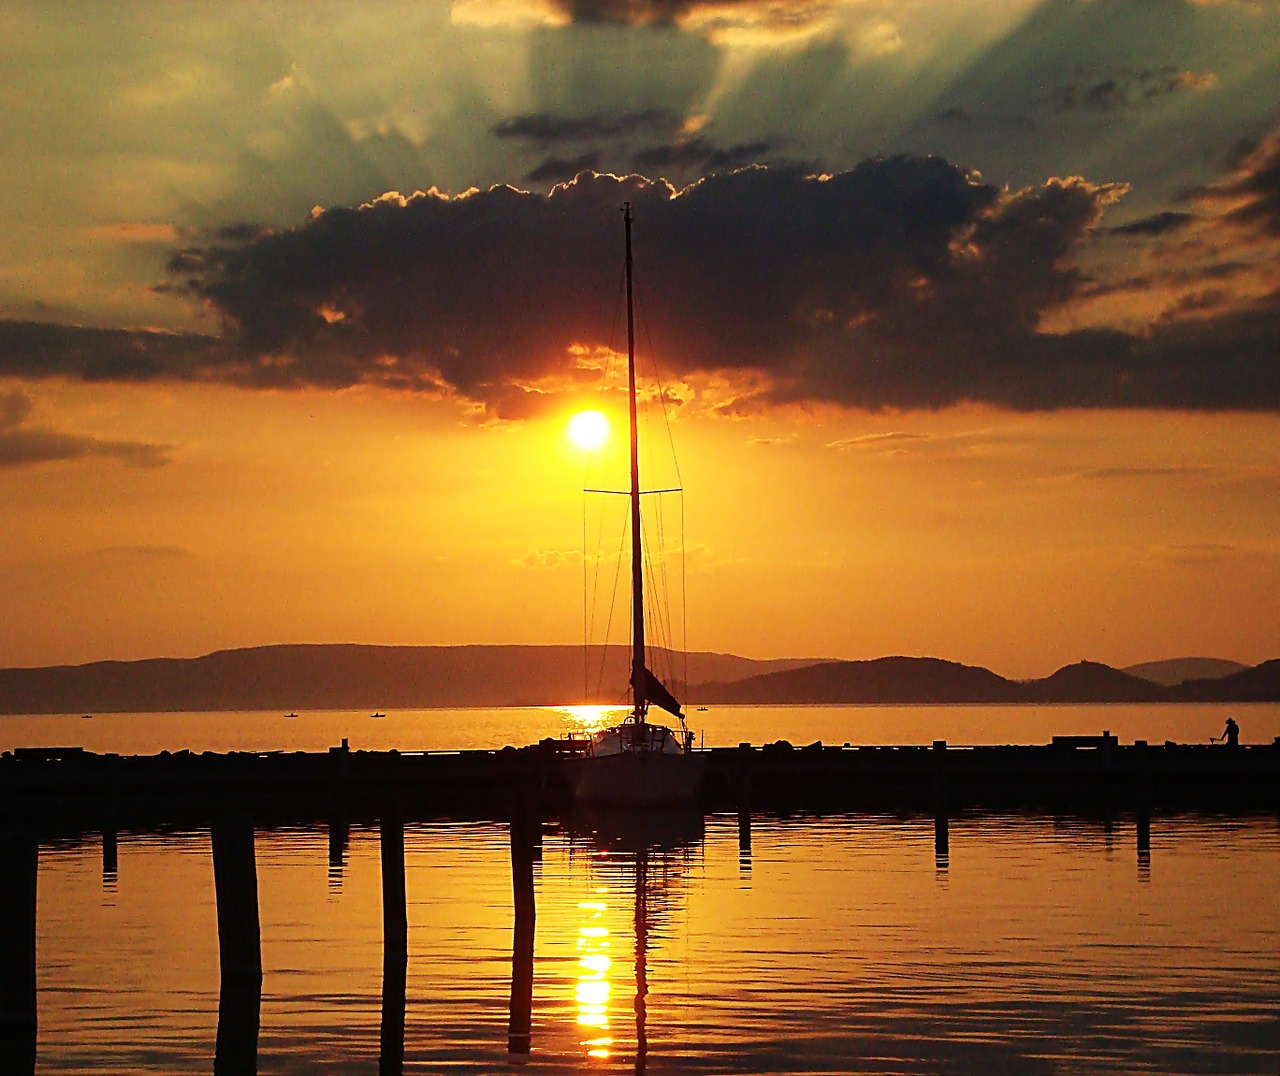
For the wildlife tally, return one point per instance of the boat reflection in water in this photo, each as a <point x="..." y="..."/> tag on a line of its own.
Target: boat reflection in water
<point x="636" y="859"/>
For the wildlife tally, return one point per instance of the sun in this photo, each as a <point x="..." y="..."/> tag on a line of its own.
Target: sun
<point x="588" y="430"/>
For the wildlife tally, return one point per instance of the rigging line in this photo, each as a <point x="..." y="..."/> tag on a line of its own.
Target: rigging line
<point x="591" y="585"/>
<point x="612" y="605"/>
<point x="657" y="376"/>
<point x="664" y="589"/>
<point x="612" y="339"/>
<point x="661" y="404"/>
<point x="684" y="600"/>
<point x="595" y="595"/>
<point x="662" y="613"/>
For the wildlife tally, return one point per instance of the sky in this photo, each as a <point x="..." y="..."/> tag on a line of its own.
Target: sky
<point x="960" y="322"/>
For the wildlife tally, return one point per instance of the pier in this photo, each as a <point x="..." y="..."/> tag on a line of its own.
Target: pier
<point x="67" y="788"/>
<point x="51" y="793"/>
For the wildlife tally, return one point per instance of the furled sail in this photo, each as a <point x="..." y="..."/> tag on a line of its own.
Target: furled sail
<point x="656" y="693"/>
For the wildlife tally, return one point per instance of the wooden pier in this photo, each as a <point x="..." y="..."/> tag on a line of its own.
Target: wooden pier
<point x="68" y="788"/>
<point x="54" y="793"/>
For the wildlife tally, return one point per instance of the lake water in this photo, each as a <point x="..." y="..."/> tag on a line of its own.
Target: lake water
<point x="850" y="943"/>
<point x="719" y="726"/>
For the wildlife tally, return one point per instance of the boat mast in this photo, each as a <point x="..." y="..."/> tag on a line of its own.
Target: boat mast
<point x="637" y="565"/>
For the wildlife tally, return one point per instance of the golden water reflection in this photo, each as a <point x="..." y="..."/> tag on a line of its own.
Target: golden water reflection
<point x="583" y="721"/>
<point x="593" y="989"/>
<point x="634" y="866"/>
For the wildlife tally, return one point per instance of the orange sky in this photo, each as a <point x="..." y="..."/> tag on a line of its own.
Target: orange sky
<point x="1015" y="542"/>
<point x="982" y="362"/>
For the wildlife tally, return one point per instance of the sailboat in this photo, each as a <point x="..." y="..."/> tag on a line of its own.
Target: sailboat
<point x="638" y="762"/>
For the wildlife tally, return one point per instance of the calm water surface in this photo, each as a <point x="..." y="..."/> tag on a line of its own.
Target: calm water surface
<point x="825" y="944"/>
<point x="721" y="726"/>
<point x="843" y="944"/>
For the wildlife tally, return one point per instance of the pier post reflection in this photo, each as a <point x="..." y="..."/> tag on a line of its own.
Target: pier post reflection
<point x="744" y="840"/>
<point x="235" y="881"/>
<point x="395" y="945"/>
<point x="395" y="965"/>
<point x="941" y="842"/>
<point x="19" y="866"/>
<point x="110" y="856"/>
<point x="642" y="957"/>
<point x="525" y="845"/>
<point x="339" y="835"/>
<point x="941" y="809"/>
<point x="239" y="1008"/>
<point x="1144" y="846"/>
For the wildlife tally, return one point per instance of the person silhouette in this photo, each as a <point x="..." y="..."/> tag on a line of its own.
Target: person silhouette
<point x="1231" y="733"/>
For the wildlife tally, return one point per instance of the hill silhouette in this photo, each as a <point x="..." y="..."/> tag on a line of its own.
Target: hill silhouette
<point x="1090" y="681"/>
<point x="349" y="676"/>
<point x="355" y="676"/>
<point x="1261" y="683"/>
<point x="883" y="680"/>
<point x="1174" y="671"/>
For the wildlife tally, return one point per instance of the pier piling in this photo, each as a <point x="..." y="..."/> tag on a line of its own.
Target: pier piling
<point x="395" y="917"/>
<point x="19" y="866"/>
<point x="520" y="1027"/>
<point x="235" y="881"/>
<point x="395" y="943"/>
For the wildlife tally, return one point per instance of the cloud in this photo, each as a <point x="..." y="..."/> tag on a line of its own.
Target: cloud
<point x="562" y="169"/>
<point x="878" y="441"/>
<point x="780" y="17"/>
<point x="548" y="127"/>
<point x="1132" y="89"/>
<point x="905" y="282"/>
<point x="1156" y="224"/>
<point x="1250" y="197"/>
<point x="23" y="446"/>
<point x="671" y="148"/>
<point x="37" y="349"/>
<point x="902" y="283"/>
<point x="538" y="559"/>
<point x="1179" y="471"/>
<point x="145" y="552"/>
<point x="703" y="156"/>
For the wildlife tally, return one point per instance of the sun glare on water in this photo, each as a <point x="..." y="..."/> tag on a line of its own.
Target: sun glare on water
<point x="589" y="430"/>
<point x="585" y="720"/>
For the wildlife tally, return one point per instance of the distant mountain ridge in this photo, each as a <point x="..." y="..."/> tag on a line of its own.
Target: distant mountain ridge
<point x="1175" y="670"/>
<point x="355" y="676"/>
<point x="341" y="676"/>
<point x="932" y="680"/>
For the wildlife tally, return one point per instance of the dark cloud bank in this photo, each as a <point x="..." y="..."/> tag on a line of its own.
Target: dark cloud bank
<point x="904" y="283"/>
<point x="22" y="444"/>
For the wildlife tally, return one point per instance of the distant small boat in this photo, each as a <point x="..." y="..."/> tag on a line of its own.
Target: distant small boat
<point x="377" y="715"/>
<point x="702" y="709"/>
<point x="86" y="717"/>
<point x="290" y="715"/>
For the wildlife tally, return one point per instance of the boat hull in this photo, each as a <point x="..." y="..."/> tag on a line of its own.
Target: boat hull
<point x="636" y="778"/>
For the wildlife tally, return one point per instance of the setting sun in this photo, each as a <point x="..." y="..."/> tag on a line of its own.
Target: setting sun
<point x="588" y="430"/>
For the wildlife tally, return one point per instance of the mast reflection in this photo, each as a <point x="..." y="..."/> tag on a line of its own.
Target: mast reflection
<point x="636" y="856"/>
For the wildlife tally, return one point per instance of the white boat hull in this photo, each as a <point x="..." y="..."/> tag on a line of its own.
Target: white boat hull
<point x="637" y="778"/>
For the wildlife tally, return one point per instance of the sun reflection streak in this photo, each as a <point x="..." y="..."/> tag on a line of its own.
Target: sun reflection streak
<point x="583" y="721"/>
<point x="593" y="990"/>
